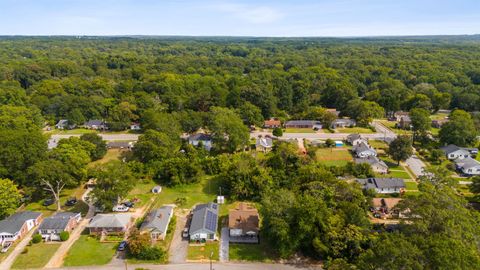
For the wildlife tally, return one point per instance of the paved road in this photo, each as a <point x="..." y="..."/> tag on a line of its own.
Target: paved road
<point x="178" y="246"/>
<point x="224" y="245"/>
<point x="201" y="266"/>
<point x="57" y="258"/>
<point x="7" y="263"/>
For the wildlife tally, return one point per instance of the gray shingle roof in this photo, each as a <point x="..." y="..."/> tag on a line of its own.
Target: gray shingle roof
<point x="110" y="221"/>
<point x="14" y="223"/>
<point x="450" y="148"/>
<point x="353" y="137"/>
<point x="380" y="183"/>
<point x="372" y="160"/>
<point x="200" y="137"/>
<point x="205" y="217"/>
<point x="303" y="122"/>
<point x="264" y="142"/>
<point x="158" y="219"/>
<point x="362" y="147"/>
<point x="95" y="123"/>
<point x="59" y="221"/>
<point x="467" y="163"/>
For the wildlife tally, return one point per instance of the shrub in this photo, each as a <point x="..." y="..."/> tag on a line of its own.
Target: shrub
<point x="25" y="251"/>
<point x="64" y="236"/>
<point x="37" y="238"/>
<point x="151" y="253"/>
<point x="278" y="132"/>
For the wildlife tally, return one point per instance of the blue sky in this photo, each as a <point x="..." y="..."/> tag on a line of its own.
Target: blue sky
<point x="239" y="17"/>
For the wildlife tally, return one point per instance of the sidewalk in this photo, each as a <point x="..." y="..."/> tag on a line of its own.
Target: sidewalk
<point x="8" y="262"/>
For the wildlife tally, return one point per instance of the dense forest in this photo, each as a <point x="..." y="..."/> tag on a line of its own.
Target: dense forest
<point x="176" y="85"/>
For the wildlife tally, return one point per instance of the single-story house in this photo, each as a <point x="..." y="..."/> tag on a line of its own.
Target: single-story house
<point x="387" y="204"/>
<point x="439" y="122"/>
<point x="405" y="122"/>
<point x="343" y="123"/>
<point x="62" y="124"/>
<point x="156" y="222"/>
<point x="17" y="225"/>
<point x="398" y="115"/>
<point x="243" y="224"/>
<point x="303" y="124"/>
<point x="96" y="124"/>
<point x="51" y="227"/>
<point x="355" y="139"/>
<point x="203" y="226"/>
<point x="272" y="123"/>
<point x="455" y="152"/>
<point x="120" y="145"/>
<point x="264" y="144"/>
<point x="201" y="139"/>
<point x="135" y="126"/>
<point x="333" y="111"/>
<point x="363" y="150"/>
<point x="383" y="185"/>
<point x="377" y="164"/>
<point x="468" y="166"/>
<point x="110" y="223"/>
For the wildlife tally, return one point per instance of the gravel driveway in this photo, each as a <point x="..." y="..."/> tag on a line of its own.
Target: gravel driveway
<point x="179" y="246"/>
<point x="224" y="245"/>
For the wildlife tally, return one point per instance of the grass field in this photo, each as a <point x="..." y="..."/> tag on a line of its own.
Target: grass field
<point x="203" y="252"/>
<point x="66" y="194"/>
<point x="334" y="156"/>
<point x="204" y="191"/>
<point x="359" y="130"/>
<point x="378" y="144"/>
<point x="36" y="256"/>
<point x="410" y="185"/>
<point x="391" y="125"/>
<point x="251" y="252"/>
<point x="88" y="250"/>
<point x="299" y="130"/>
<point x="112" y="154"/>
<point x="438" y="116"/>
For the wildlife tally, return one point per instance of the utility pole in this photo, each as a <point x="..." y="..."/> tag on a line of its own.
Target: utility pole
<point x="211" y="255"/>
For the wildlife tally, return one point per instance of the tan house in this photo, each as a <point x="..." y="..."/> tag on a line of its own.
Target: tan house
<point x="272" y="123"/>
<point x="244" y="224"/>
<point x="110" y="223"/>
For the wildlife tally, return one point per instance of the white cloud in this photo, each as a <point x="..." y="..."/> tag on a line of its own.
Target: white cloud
<point x="251" y="13"/>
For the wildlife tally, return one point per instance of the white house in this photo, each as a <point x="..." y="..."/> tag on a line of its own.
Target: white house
<point x="203" y="226"/>
<point x="454" y="152"/>
<point x="363" y="150"/>
<point x="135" y="126"/>
<point x="356" y="139"/>
<point x="17" y="225"/>
<point x="468" y="166"/>
<point x="383" y="185"/>
<point x="201" y="139"/>
<point x="264" y="144"/>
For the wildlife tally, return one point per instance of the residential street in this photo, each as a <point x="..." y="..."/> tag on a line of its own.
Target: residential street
<point x="57" y="258"/>
<point x="179" y="246"/>
<point x="224" y="245"/>
<point x="201" y="266"/>
<point x="8" y="262"/>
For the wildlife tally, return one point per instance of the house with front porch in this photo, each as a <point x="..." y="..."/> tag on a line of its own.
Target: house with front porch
<point x="18" y="225"/>
<point x="156" y="223"/>
<point x="110" y="224"/>
<point x="203" y="226"/>
<point x="51" y="227"/>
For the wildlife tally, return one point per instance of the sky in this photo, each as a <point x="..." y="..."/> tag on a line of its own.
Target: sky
<point x="274" y="18"/>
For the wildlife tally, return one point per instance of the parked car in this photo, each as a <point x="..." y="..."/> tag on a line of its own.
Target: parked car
<point x="6" y="247"/>
<point x="129" y="204"/>
<point x="120" y="208"/>
<point x="122" y="246"/>
<point x="185" y="233"/>
<point x="48" y="202"/>
<point x="71" y="202"/>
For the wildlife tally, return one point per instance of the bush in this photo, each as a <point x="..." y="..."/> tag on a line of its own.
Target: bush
<point x="278" y="132"/>
<point x="64" y="236"/>
<point x="25" y="251"/>
<point x="37" y="238"/>
<point x="151" y="254"/>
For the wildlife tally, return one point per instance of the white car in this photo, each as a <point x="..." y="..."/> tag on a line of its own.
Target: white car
<point x="120" y="208"/>
<point x="6" y="247"/>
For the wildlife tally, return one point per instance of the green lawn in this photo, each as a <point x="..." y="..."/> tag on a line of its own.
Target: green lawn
<point x="359" y="130"/>
<point x="299" y="130"/>
<point x="71" y="131"/>
<point x="438" y="116"/>
<point x="87" y="250"/>
<point x="391" y="125"/>
<point x="36" y="256"/>
<point x="112" y="154"/>
<point x="410" y="185"/>
<point x="398" y="174"/>
<point x="378" y="144"/>
<point x="203" y="252"/>
<point x="66" y="194"/>
<point x="334" y="156"/>
<point x="202" y="192"/>
<point x="251" y="252"/>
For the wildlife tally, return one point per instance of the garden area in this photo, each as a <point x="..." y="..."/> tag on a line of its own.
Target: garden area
<point x="35" y="255"/>
<point x="203" y="252"/>
<point x="88" y="250"/>
<point x="339" y="156"/>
